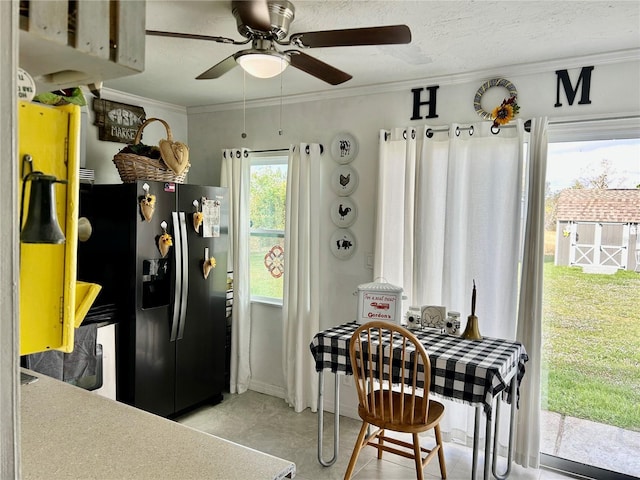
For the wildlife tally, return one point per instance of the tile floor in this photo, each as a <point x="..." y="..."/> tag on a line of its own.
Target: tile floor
<point x="266" y="423"/>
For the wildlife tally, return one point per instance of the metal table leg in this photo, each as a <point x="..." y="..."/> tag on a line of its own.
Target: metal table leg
<point x="476" y="445"/>
<point x="487" y="442"/>
<point x="514" y="403"/>
<point x="336" y="419"/>
<point x="476" y="431"/>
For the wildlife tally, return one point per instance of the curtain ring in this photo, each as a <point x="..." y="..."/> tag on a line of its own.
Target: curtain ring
<point x="386" y="135"/>
<point x="457" y="131"/>
<point x="495" y="130"/>
<point x="471" y="130"/>
<point x="238" y="154"/>
<point x="246" y="153"/>
<point x="413" y="134"/>
<point x="307" y="149"/>
<point x="429" y="133"/>
<point x="404" y="134"/>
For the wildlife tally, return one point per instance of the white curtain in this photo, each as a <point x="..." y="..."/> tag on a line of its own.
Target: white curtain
<point x="301" y="312"/>
<point x="448" y="213"/>
<point x="235" y="174"/>
<point x="529" y="330"/>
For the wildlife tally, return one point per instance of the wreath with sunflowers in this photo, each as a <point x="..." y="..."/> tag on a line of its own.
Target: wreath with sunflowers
<point x="503" y="113"/>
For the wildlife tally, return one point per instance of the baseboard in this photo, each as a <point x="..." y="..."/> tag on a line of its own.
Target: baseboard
<point x="350" y="411"/>
<point x="267" y="389"/>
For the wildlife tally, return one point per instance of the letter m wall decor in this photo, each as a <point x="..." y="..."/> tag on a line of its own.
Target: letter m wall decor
<point x="583" y="83"/>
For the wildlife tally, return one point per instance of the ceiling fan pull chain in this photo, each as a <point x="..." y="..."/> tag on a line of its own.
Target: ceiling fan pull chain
<point x="280" y="120"/>
<point x="244" y="104"/>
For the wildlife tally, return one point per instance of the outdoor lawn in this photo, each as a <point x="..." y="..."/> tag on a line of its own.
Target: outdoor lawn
<point x="591" y="345"/>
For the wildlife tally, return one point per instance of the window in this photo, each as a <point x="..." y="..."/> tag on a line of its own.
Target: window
<point x="267" y="201"/>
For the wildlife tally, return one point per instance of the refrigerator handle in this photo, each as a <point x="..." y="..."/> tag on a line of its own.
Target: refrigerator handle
<point x="175" y="317"/>
<point x="184" y="252"/>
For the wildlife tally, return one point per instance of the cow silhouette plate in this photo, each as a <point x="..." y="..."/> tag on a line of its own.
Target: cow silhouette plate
<point x="344" y="148"/>
<point x="343" y="212"/>
<point x="344" y="180"/>
<point x="343" y="243"/>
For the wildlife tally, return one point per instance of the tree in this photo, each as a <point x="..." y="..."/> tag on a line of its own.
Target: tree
<point x="599" y="180"/>
<point x="268" y="194"/>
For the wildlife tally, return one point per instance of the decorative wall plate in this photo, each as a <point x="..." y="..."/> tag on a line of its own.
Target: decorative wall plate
<point x="343" y="243"/>
<point x="343" y="212"/>
<point x="26" y="86"/>
<point x="344" y="180"/>
<point x="494" y="82"/>
<point x="344" y="148"/>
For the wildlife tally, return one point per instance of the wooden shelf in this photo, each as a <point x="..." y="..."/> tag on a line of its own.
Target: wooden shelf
<point x="66" y="44"/>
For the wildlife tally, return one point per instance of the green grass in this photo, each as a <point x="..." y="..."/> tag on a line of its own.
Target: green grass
<point x="262" y="283"/>
<point x="591" y="345"/>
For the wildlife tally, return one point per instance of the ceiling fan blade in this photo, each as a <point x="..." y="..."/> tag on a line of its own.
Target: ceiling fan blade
<point x="317" y="68"/>
<point x="218" y="69"/>
<point x="392" y="34"/>
<point x="253" y="14"/>
<point x="193" y="36"/>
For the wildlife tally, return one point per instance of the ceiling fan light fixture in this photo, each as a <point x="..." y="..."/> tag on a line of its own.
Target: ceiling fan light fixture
<point x="262" y="64"/>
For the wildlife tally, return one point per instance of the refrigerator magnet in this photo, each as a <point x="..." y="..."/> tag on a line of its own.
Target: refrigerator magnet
<point x="207" y="265"/>
<point x="164" y="241"/>
<point x="147" y="206"/>
<point x="198" y="216"/>
<point x="147" y="203"/>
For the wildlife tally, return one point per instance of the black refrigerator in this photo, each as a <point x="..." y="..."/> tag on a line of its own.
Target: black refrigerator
<point x="171" y="322"/>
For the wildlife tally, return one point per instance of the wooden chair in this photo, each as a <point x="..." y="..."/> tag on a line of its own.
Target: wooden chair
<point x="392" y="404"/>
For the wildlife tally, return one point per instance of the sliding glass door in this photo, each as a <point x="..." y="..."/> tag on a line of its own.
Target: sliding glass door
<point x="591" y="309"/>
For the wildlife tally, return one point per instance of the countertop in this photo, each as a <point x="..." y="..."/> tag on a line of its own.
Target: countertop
<point x="71" y="433"/>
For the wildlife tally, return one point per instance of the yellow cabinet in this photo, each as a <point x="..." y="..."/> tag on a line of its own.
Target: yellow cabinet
<point x="51" y="136"/>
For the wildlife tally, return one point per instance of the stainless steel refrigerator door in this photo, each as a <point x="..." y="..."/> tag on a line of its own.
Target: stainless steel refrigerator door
<point x="154" y="354"/>
<point x="200" y="353"/>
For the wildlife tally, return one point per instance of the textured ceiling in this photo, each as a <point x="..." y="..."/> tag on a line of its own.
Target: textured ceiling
<point x="448" y="38"/>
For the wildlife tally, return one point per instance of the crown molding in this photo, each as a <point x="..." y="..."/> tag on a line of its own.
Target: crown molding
<point x="120" y="96"/>
<point x="517" y="70"/>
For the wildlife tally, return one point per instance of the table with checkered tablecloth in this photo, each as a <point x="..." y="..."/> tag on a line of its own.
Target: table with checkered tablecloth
<point x="468" y="371"/>
<point x="471" y="371"/>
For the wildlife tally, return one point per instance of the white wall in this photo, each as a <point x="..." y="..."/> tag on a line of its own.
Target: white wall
<point x="362" y="113"/>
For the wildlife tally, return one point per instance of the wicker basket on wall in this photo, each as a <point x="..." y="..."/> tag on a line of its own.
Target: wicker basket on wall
<point x="133" y="167"/>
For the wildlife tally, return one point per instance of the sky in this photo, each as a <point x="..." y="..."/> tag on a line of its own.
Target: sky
<point x="571" y="161"/>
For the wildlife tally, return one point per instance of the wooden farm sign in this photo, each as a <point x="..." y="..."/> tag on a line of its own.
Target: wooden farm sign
<point x="117" y="122"/>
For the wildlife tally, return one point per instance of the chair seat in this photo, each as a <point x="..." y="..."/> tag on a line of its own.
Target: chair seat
<point x="398" y="422"/>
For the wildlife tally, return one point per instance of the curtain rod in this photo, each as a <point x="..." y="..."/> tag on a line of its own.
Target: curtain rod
<point x="283" y="150"/>
<point x="527" y="126"/>
<point x="270" y="150"/>
<point x="430" y="131"/>
<point x="495" y="130"/>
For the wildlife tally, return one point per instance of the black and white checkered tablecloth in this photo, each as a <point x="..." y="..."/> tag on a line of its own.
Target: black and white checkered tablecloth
<point x="470" y="371"/>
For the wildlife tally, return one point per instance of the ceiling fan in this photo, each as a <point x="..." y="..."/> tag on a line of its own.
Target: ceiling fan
<point x="265" y="23"/>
